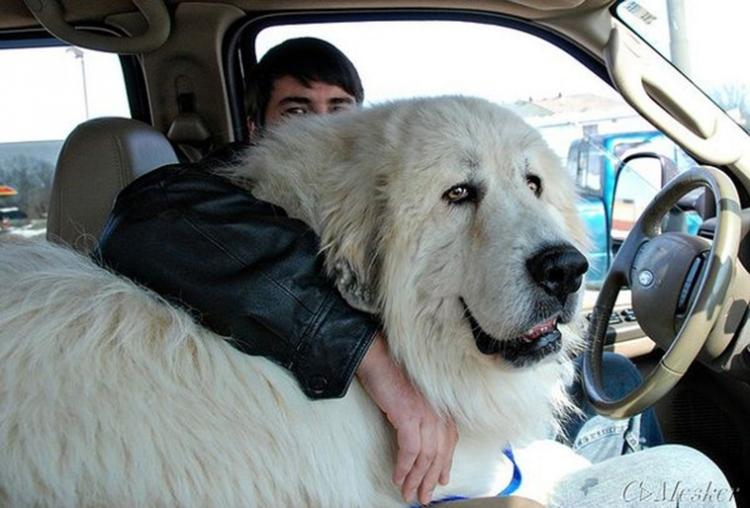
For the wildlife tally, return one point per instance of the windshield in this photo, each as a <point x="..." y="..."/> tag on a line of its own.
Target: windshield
<point x="706" y="40"/>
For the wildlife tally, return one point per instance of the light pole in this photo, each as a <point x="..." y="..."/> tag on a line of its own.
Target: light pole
<point x="678" y="38"/>
<point x="78" y="55"/>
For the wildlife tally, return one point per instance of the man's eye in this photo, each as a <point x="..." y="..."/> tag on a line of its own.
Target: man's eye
<point x="294" y="111"/>
<point x="339" y="108"/>
<point x="534" y="183"/>
<point x="460" y="193"/>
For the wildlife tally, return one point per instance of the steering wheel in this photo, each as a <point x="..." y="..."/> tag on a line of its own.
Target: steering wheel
<point x="679" y="284"/>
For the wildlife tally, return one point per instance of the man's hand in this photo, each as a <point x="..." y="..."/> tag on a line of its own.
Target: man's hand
<point x="425" y="440"/>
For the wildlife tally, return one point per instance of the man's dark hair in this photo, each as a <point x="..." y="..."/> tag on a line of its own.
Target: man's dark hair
<point x="306" y="59"/>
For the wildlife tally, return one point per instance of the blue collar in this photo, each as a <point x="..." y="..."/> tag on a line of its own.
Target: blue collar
<point x="515" y="482"/>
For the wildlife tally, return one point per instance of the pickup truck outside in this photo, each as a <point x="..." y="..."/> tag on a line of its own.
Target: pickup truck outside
<point x="593" y="161"/>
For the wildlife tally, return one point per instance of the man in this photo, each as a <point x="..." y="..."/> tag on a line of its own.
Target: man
<point x="249" y="272"/>
<point x="306" y="76"/>
<point x="300" y="77"/>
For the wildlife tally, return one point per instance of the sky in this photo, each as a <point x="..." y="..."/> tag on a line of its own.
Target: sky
<point x="41" y="93"/>
<point x="406" y="59"/>
<point x="717" y="31"/>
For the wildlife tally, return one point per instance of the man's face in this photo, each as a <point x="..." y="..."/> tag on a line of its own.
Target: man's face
<point x="290" y="98"/>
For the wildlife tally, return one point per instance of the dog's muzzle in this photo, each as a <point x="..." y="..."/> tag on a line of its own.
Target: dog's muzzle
<point x="539" y="341"/>
<point x="558" y="271"/>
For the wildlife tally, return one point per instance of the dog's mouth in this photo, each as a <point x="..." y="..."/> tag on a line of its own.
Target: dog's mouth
<point x="537" y="342"/>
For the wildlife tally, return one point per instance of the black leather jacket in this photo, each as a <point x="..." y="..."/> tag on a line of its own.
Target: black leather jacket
<point x="242" y="267"/>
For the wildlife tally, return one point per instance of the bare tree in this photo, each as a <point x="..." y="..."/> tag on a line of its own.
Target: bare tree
<point x="734" y="96"/>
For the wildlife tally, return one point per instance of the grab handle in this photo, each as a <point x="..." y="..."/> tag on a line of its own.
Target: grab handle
<point x="50" y="14"/>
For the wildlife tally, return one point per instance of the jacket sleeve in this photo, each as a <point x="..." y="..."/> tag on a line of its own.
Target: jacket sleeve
<point x="243" y="268"/>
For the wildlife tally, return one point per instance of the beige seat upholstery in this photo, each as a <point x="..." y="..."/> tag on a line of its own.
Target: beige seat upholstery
<point x="98" y="159"/>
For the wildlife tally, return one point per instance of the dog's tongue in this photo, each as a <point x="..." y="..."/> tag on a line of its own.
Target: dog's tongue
<point x="539" y="330"/>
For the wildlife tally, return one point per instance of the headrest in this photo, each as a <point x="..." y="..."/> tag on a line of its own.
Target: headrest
<point x="98" y="159"/>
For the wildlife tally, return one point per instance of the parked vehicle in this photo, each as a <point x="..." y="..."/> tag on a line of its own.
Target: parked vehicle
<point x="594" y="161"/>
<point x="11" y="217"/>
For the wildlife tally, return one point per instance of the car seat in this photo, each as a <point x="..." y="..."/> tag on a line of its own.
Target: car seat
<point x="98" y="159"/>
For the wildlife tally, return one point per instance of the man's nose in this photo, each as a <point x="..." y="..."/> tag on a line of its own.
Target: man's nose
<point x="319" y="108"/>
<point x="558" y="269"/>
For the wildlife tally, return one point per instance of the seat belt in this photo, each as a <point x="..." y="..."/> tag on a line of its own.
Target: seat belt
<point x="188" y="132"/>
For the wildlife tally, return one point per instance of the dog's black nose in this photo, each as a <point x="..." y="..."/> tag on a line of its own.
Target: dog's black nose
<point x="558" y="269"/>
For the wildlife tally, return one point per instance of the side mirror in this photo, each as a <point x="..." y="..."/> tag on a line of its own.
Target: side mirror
<point x="654" y="168"/>
<point x="640" y="177"/>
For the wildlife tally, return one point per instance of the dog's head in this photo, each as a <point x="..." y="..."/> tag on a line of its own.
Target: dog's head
<point x="453" y="220"/>
<point x="468" y="217"/>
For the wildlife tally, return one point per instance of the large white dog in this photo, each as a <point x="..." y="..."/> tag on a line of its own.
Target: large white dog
<point x="449" y="217"/>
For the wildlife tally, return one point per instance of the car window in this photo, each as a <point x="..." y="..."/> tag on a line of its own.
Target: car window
<point x="584" y="120"/>
<point x="44" y="93"/>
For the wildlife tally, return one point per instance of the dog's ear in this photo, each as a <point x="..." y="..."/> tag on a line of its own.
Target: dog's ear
<point x="350" y="238"/>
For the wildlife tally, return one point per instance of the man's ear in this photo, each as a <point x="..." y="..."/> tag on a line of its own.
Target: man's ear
<point x="351" y="243"/>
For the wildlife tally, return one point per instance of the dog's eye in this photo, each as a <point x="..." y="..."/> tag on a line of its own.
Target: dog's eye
<point x="535" y="184"/>
<point x="460" y="193"/>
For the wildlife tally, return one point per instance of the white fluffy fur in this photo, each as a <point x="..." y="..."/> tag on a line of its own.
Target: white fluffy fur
<point x="110" y="396"/>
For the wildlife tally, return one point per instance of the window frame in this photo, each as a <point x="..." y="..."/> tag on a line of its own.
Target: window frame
<point x="241" y="37"/>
